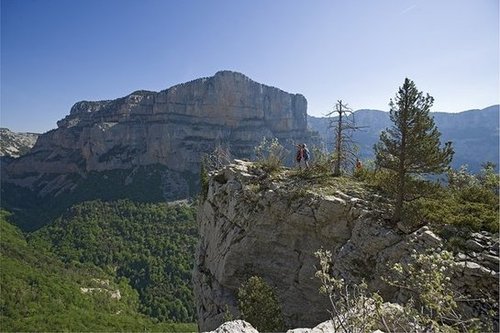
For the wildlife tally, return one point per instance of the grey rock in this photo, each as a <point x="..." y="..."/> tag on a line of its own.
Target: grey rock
<point x="325" y="327"/>
<point x="14" y="144"/>
<point x="407" y="228"/>
<point x="474" y="245"/>
<point x="172" y="128"/>
<point x="248" y="230"/>
<point x="235" y="326"/>
<point x="491" y="261"/>
<point x="299" y="330"/>
<point x="470" y="268"/>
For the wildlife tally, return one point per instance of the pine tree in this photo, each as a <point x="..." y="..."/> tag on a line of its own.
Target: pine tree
<point x="411" y="146"/>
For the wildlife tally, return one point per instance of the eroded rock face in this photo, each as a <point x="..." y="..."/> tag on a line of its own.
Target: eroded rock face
<point x="250" y="225"/>
<point x="14" y="144"/>
<point x="171" y="128"/>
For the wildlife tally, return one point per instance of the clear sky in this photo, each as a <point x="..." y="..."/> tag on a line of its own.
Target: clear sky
<point x="57" y="52"/>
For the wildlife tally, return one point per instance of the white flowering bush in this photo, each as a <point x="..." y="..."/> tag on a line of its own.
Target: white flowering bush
<point x="352" y="305"/>
<point x="427" y="277"/>
<point x="431" y="304"/>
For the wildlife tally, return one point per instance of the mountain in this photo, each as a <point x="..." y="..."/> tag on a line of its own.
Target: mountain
<point x="474" y="133"/>
<point x="147" y="146"/>
<point x="14" y="144"/>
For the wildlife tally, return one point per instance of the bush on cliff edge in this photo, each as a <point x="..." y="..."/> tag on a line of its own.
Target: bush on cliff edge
<point x="259" y="305"/>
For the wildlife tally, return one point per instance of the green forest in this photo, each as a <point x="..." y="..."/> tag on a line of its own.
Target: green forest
<point x="143" y="251"/>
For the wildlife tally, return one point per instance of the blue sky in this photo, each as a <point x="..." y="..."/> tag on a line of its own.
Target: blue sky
<point x="57" y="52"/>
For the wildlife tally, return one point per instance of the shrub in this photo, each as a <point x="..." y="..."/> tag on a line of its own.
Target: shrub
<point x="431" y="306"/>
<point x="203" y="180"/>
<point x="259" y="305"/>
<point x="350" y="303"/>
<point x="322" y="162"/>
<point x="270" y="154"/>
<point x="427" y="279"/>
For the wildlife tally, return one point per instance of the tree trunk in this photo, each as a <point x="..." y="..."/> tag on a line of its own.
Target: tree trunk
<point x="338" y="143"/>
<point x="401" y="190"/>
<point x="398" y="209"/>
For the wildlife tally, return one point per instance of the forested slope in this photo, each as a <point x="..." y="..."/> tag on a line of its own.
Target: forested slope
<point x="39" y="292"/>
<point x="151" y="245"/>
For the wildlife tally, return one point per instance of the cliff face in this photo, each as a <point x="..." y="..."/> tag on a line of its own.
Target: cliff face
<point x="171" y="128"/>
<point x="14" y="144"/>
<point x="252" y="225"/>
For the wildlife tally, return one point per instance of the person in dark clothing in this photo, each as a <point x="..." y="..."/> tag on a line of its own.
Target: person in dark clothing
<point x="302" y="155"/>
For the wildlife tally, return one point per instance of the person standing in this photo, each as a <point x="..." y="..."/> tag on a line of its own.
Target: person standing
<point x="306" y="155"/>
<point x="300" y="155"/>
<point x="303" y="154"/>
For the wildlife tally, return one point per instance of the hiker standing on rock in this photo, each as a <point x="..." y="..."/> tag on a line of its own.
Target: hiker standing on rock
<point x="302" y="155"/>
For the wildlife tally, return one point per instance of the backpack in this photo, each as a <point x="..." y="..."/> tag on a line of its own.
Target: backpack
<point x="306" y="154"/>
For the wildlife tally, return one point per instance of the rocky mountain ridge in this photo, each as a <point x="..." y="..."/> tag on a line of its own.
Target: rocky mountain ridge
<point x="474" y="133"/>
<point x="250" y="224"/>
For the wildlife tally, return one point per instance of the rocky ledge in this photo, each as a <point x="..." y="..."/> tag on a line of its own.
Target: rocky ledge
<point x="253" y="224"/>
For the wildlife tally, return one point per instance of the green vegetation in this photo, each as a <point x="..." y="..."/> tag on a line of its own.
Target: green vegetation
<point x="411" y="147"/>
<point x="259" y="305"/>
<point x="39" y="292"/>
<point x="469" y="203"/>
<point x="203" y="180"/>
<point x="431" y="304"/>
<point x="150" y="245"/>
<point x="143" y="184"/>
<point x="270" y="155"/>
<point x="464" y="203"/>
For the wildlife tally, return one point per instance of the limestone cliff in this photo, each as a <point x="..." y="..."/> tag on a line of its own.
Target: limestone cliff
<point x="170" y="128"/>
<point x="14" y="144"/>
<point x="250" y="224"/>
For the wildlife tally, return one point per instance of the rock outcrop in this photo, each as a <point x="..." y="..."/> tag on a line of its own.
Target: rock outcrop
<point x="235" y="326"/>
<point x="14" y="144"/>
<point x="170" y="128"/>
<point x="253" y="225"/>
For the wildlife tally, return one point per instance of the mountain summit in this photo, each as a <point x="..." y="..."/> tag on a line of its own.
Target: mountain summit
<point x="152" y="142"/>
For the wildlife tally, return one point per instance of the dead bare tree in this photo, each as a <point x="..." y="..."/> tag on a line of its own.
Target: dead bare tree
<point x="343" y="124"/>
<point x="218" y="158"/>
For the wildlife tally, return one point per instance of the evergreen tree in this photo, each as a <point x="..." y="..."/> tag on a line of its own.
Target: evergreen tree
<point x="411" y="146"/>
<point x="259" y="305"/>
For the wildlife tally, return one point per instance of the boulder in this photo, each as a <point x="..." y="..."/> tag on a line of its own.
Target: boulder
<point x="235" y="326"/>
